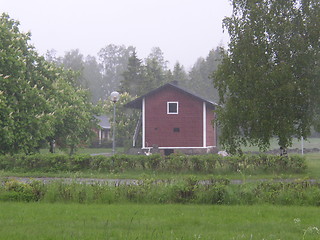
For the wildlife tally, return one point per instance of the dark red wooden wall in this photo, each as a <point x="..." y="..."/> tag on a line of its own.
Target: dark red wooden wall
<point x="159" y="126"/>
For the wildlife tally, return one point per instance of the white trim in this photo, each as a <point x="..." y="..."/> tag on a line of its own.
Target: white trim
<point x="100" y="137"/>
<point x="204" y="124"/>
<point x="143" y="122"/>
<point x="181" y="147"/>
<point x="172" y="112"/>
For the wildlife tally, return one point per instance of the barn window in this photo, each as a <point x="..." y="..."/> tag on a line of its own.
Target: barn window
<point x="176" y="129"/>
<point x="172" y="107"/>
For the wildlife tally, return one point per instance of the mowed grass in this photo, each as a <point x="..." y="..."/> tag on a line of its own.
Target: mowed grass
<point x="309" y="143"/>
<point x="75" y="221"/>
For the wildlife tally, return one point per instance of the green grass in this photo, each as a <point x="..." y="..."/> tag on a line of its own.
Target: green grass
<point x="313" y="162"/>
<point x="129" y="221"/>
<point x="310" y="143"/>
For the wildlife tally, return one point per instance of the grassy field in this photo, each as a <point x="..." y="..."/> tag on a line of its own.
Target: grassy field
<point x="171" y="221"/>
<point x="296" y="144"/>
<point x="74" y="221"/>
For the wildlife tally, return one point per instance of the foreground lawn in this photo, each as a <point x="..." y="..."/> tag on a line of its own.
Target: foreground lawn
<point x="75" y="221"/>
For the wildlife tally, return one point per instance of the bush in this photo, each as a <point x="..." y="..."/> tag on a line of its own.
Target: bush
<point x="13" y="190"/>
<point x="189" y="190"/>
<point x="175" y="163"/>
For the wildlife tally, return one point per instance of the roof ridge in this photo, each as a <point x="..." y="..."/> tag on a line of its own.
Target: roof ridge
<point x="135" y="102"/>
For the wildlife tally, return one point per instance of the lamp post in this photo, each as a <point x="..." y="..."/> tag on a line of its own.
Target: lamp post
<point x="114" y="98"/>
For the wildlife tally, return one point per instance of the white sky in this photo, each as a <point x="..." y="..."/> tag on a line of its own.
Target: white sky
<point x="183" y="29"/>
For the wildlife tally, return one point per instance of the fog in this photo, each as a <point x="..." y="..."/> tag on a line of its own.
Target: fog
<point x="183" y="29"/>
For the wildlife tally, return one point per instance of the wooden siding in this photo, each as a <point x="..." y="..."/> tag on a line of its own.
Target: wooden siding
<point x="161" y="129"/>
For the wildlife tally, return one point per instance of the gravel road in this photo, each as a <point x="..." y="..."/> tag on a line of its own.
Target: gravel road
<point x="117" y="182"/>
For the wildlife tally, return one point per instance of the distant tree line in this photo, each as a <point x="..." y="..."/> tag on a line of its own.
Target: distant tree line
<point x="118" y="67"/>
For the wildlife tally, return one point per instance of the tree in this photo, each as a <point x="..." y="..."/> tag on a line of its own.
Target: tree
<point x="268" y="81"/>
<point x="133" y="77"/>
<point x="179" y="74"/>
<point x="114" y="60"/>
<point x="158" y="55"/>
<point x="25" y="117"/>
<point x="74" y="60"/>
<point x="38" y="100"/>
<point x="126" y="120"/>
<point x="200" y="75"/>
<point x="73" y="116"/>
<point x="92" y="73"/>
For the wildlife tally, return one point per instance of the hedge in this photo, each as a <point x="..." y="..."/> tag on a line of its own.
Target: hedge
<point x="175" y="163"/>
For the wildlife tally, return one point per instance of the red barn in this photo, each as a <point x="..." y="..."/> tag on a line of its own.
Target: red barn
<point x="176" y="119"/>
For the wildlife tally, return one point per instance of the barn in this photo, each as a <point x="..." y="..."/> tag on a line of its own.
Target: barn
<point x="175" y="120"/>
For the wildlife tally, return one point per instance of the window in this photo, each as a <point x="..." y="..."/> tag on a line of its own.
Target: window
<point x="176" y="129"/>
<point x="172" y="107"/>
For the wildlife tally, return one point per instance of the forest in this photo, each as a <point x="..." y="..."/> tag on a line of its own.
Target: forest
<point x="118" y="67"/>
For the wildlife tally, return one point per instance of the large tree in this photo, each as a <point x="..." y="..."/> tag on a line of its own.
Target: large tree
<point x="92" y="74"/>
<point x="156" y="73"/>
<point x="37" y="99"/>
<point x="133" y="76"/>
<point x="74" y="60"/>
<point x="114" y="60"/>
<point x="25" y="113"/>
<point x="179" y="74"/>
<point x="200" y="75"/>
<point x="269" y="78"/>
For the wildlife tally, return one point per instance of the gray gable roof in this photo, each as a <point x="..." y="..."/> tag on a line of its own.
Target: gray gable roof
<point x="137" y="103"/>
<point x="103" y="121"/>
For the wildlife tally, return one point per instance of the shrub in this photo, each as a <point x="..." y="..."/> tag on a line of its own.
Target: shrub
<point x="175" y="163"/>
<point x="14" y="190"/>
<point x="80" y="162"/>
<point x="7" y="162"/>
<point x="188" y="190"/>
<point x="154" y="162"/>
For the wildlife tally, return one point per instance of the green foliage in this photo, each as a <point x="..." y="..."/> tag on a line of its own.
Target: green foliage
<point x="39" y="102"/>
<point x="268" y="81"/>
<point x="13" y="190"/>
<point x="189" y="190"/>
<point x="133" y="76"/>
<point x="126" y="120"/>
<point x="175" y="163"/>
<point x="114" y="60"/>
<point x="200" y="75"/>
<point x="140" y="78"/>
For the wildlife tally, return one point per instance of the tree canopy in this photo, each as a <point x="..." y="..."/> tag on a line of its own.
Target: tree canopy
<point x="39" y="101"/>
<point x="269" y="78"/>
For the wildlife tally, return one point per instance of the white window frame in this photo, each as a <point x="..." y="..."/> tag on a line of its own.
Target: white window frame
<point x="168" y="103"/>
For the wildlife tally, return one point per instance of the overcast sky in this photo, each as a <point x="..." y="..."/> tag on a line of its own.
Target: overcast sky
<point x="183" y="29"/>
